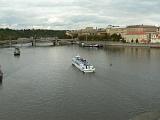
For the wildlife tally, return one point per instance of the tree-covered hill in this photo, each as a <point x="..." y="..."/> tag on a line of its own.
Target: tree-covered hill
<point x="10" y="34"/>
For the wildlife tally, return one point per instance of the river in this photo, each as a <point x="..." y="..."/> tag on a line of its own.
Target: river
<point x="42" y="84"/>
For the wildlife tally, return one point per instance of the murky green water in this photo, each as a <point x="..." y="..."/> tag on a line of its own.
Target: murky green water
<point x="42" y="84"/>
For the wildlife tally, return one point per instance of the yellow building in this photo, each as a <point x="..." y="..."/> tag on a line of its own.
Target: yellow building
<point x="87" y="31"/>
<point x="121" y="31"/>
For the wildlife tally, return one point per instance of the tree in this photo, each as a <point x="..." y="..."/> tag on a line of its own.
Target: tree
<point x="132" y="41"/>
<point x="6" y="34"/>
<point x="115" y="37"/>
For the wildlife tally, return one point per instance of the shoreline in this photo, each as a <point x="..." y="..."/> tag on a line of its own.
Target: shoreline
<point x="104" y="43"/>
<point x="119" y="44"/>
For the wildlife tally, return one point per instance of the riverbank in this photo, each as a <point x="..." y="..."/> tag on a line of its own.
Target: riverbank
<point x="119" y="44"/>
<point x="104" y="43"/>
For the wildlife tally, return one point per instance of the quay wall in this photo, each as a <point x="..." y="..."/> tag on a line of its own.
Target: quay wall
<point x="104" y="43"/>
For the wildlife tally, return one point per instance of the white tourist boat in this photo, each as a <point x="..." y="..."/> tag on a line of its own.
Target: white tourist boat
<point x="82" y="64"/>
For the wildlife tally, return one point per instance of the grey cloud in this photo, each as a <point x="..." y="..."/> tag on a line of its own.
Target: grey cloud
<point x="64" y="14"/>
<point x="89" y="18"/>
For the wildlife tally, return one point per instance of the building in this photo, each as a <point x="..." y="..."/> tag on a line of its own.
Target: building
<point x="155" y="38"/>
<point x="82" y="32"/>
<point x="101" y="31"/>
<point x="72" y="33"/>
<point x="87" y="31"/>
<point x="131" y="34"/>
<point x="116" y="30"/>
<point x="140" y="33"/>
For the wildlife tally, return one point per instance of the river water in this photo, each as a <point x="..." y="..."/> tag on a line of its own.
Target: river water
<point x="42" y="84"/>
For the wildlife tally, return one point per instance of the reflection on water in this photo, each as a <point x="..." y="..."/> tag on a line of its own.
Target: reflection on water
<point x="148" y="116"/>
<point x="131" y="51"/>
<point x="1" y="84"/>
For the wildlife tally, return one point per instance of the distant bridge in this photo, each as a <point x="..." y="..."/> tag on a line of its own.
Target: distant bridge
<point x="54" y="41"/>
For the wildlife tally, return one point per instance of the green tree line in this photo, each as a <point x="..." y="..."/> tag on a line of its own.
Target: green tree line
<point x="104" y="37"/>
<point x="10" y="34"/>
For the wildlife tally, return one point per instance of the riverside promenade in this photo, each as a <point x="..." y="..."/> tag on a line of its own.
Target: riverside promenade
<point x="120" y="44"/>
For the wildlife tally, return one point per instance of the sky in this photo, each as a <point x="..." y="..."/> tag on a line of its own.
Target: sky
<point x="77" y="14"/>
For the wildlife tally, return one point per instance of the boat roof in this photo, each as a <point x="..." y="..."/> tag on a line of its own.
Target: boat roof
<point x="84" y="61"/>
<point x="77" y="56"/>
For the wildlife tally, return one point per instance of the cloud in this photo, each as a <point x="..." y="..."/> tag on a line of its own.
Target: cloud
<point x="75" y="14"/>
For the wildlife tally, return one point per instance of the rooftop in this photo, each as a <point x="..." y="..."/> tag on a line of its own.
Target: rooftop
<point x="141" y="26"/>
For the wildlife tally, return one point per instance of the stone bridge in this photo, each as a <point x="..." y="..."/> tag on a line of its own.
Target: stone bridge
<point x="54" y="41"/>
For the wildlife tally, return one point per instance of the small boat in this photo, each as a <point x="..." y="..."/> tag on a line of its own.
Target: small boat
<point x="91" y="45"/>
<point x="82" y="64"/>
<point x="96" y="45"/>
<point x="1" y="74"/>
<point x="17" y="52"/>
